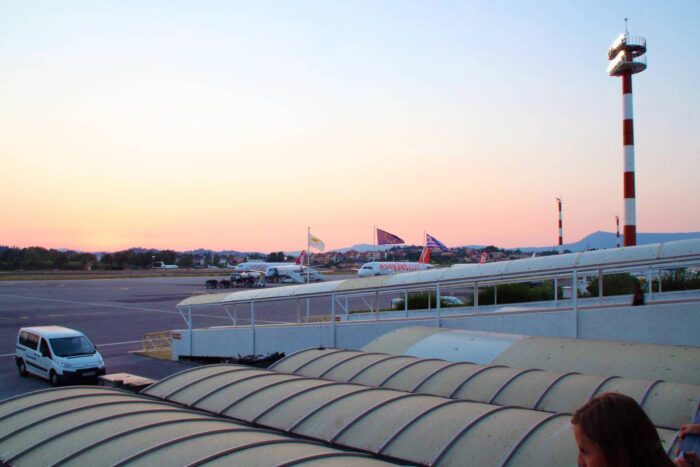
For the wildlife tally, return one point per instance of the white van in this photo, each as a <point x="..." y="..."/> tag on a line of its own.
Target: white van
<point x="58" y="354"/>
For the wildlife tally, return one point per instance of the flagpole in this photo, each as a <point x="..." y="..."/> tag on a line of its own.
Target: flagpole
<point x="374" y="242"/>
<point x="308" y="255"/>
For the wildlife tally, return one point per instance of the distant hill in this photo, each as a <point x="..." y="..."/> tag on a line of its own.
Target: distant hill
<point x="597" y="240"/>
<point x="601" y="240"/>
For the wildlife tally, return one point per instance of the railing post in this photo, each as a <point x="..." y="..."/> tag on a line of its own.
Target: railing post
<point x="405" y="302"/>
<point x="252" y="324"/>
<point x="476" y="297"/>
<point x="189" y="326"/>
<point x="308" y="311"/>
<point x="438" y="307"/>
<point x="556" y="292"/>
<point x="333" y="319"/>
<point x="574" y="298"/>
<point x="495" y="294"/>
<point x="600" y="286"/>
<point x="650" y="286"/>
<point x="376" y="305"/>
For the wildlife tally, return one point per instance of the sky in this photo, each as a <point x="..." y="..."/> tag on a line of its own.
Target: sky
<point x="238" y="124"/>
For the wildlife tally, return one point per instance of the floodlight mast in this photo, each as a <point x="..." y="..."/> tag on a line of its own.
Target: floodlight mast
<point x="627" y="57"/>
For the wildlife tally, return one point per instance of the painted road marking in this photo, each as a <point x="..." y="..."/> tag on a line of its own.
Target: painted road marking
<point x="109" y="305"/>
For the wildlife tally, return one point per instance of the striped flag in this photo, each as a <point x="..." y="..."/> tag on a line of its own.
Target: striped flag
<point x="386" y="238"/>
<point x="432" y="242"/>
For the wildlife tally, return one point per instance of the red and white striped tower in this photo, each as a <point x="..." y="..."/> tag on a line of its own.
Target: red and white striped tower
<point x="561" y="229"/>
<point x="617" y="221"/>
<point x="626" y="55"/>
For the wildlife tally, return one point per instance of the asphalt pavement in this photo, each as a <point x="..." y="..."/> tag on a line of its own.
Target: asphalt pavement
<point x="114" y="314"/>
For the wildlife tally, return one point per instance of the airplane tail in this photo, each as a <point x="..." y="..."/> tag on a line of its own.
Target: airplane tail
<point x="425" y="256"/>
<point x="301" y="258"/>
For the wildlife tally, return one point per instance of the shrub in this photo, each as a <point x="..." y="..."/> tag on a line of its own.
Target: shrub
<point x="614" y="284"/>
<point x="518" y="293"/>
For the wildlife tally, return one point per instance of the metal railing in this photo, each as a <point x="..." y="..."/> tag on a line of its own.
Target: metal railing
<point x="158" y="344"/>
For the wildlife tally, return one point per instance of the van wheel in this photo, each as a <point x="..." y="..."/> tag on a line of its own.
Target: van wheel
<point x="54" y="379"/>
<point x="22" y="368"/>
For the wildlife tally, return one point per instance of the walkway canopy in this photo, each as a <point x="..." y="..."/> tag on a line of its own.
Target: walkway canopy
<point x="661" y="255"/>
<point x="105" y="427"/>
<point x="679" y="364"/>
<point x="668" y="405"/>
<point x="415" y="428"/>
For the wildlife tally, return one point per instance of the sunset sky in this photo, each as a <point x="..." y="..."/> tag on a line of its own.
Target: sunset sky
<point x="236" y="125"/>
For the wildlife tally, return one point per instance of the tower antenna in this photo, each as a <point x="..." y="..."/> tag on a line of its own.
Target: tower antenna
<point x="627" y="57"/>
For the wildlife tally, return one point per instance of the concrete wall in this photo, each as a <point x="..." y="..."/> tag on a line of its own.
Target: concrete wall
<point x="677" y="324"/>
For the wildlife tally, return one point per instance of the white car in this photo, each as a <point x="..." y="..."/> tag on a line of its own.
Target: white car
<point x="58" y="354"/>
<point x="445" y="300"/>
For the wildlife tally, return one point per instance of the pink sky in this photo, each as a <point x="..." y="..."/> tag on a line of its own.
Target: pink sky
<point x="167" y="128"/>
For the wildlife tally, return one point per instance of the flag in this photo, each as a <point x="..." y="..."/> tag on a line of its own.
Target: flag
<point x="484" y="257"/>
<point x="316" y="242"/>
<point x="432" y="242"/>
<point x="386" y="238"/>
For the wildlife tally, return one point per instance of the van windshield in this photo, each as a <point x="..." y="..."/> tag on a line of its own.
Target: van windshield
<point x="72" y="346"/>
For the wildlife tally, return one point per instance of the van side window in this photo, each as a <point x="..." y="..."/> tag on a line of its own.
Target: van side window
<point x="33" y="341"/>
<point x="23" y="338"/>
<point x="45" y="348"/>
<point x="28" y="340"/>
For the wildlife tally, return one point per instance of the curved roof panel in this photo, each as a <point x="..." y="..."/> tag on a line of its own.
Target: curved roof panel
<point x="680" y="364"/>
<point x="415" y="277"/>
<point x="667" y="404"/>
<point x="590" y="260"/>
<point x="383" y="421"/>
<point x="359" y="283"/>
<point x="444" y="343"/>
<point x="99" y="426"/>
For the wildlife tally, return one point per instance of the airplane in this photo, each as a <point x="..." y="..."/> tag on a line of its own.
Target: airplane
<point x="295" y="272"/>
<point x="383" y="268"/>
<point x="262" y="266"/>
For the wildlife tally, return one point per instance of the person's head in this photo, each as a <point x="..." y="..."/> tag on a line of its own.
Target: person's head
<point x="612" y="430"/>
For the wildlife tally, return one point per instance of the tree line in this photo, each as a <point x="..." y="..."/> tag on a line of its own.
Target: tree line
<point x="39" y="258"/>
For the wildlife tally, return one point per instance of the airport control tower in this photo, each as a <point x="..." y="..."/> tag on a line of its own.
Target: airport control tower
<point x="626" y="55"/>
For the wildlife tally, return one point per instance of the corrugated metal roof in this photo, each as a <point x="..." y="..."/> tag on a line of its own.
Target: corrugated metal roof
<point x="680" y="364"/>
<point x="668" y="405"/>
<point x="547" y="265"/>
<point x="100" y="426"/>
<point x="416" y="428"/>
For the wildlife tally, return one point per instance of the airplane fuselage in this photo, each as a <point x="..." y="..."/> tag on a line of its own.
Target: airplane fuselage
<point x="384" y="268"/>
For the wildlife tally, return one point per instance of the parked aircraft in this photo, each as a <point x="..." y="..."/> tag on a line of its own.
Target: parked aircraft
<point x="383" y="268"/>
<point x="260" y="265"/>
<point x="296" y="272"/>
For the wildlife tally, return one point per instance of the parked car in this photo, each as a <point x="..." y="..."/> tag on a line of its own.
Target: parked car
<point x="445" y="300"/>
<point x="58" y="354"/>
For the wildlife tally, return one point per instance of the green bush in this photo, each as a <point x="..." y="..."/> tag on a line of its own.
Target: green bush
<point x="518" y="293"/>
<point x="614" y="284"/>
<point x="679" y="279"/>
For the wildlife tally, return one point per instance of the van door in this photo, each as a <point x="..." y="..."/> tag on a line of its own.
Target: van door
<point x="32" y="356"/>
<point x="44" y="359"/>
